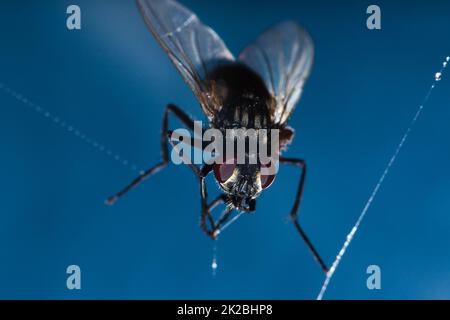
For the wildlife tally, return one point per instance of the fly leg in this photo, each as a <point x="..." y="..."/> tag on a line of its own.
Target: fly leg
<point x="187" y="121"/>
<point x="294" y="211"/>
<point x="200" y="173"/>
<point x="212" y="230"/>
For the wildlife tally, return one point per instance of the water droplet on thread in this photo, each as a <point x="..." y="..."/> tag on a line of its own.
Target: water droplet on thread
<point x="214" y="263"/>
<point x="437" y="76"/>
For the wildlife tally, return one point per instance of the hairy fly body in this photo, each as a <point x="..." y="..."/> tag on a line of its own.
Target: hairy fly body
<point x="257" y="90"/>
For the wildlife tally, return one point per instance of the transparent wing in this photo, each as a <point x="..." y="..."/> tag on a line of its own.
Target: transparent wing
<point x="283" y="57"/>
<point x="195" y="49"/>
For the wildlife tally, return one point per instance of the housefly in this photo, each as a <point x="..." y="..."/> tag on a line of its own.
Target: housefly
<point x="258" y="89"/>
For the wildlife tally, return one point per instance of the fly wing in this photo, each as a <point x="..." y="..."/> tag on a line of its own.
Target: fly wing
<point x="194" y="48"/>
<point x="283" y="57"/>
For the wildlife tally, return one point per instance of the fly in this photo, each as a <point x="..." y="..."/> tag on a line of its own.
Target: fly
<point x="257" y="90"/>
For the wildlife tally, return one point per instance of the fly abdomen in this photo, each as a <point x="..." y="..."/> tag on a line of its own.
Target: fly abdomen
<point x="244" y="96"/>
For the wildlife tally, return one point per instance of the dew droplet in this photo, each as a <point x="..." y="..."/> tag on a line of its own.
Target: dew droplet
<point x="437" y="76"/>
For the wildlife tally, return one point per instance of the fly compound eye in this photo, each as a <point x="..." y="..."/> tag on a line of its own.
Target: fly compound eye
<point x="267" y="175"/>
<point x="224" y="171"/>
<point x="267" y="180"/>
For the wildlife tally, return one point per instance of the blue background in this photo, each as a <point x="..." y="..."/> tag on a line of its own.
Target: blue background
<point x="111" y="81"/>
